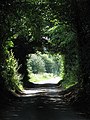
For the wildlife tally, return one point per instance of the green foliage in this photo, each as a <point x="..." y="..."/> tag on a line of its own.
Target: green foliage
<point x="41" y="63"/>
<point x="63" y="40"/>
<point x="34" y="19"/>
<point x="59" y="65"/>
<point x="61" y="36"/>
<point x="36" y="64"/>
<point x="10" y="73"/>
<point x="49" y="63"/>
<point x="40" y="77"/>
<point x="71" y="69"/>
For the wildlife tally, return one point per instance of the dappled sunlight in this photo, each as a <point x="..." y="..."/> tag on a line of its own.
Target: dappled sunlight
<point x="45" y="68"/>
<point x="44" y="59"/>
<point x="54" y="80"/>
<point x="41" y="91"/>
<point x="43" y="103"/>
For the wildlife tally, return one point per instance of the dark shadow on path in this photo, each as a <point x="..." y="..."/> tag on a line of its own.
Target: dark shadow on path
<point x="45" y="105"/>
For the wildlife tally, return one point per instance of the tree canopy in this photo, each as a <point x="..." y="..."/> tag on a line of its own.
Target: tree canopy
<point x="58" y="26"/>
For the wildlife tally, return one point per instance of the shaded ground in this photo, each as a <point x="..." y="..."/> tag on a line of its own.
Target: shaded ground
<point x="43" y="104"/>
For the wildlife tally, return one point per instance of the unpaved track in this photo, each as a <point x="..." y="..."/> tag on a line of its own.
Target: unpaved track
<point x="45" y="103"/>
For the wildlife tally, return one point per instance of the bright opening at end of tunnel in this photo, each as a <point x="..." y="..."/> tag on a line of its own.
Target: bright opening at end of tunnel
<point x="45" y="68"/>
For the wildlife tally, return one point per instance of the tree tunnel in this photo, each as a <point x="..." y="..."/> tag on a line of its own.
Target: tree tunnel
<point x="59" y="28"/>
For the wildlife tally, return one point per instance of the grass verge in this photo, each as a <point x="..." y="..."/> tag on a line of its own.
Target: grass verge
<point x="40" y="77"/>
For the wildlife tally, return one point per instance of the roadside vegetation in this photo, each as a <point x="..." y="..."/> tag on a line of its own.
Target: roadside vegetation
<point x="37" y="39"/>
<point x="41" y="77"/>
<point x="44" y="66"/>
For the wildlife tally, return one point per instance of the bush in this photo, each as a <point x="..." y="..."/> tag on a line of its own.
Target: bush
<point x="36" y="64"/>
<point x="10" y="73"/>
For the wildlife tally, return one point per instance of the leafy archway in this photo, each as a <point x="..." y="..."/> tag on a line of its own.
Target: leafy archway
<point x="28" y="26"/>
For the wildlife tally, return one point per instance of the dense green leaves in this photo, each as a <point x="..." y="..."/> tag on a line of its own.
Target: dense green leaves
<point x="61" y="36"/>
<point x="10" y="73"/>
<point x="41" y="63"/>
<point x="36" y="64"/>
<point x="31" y="25"/>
